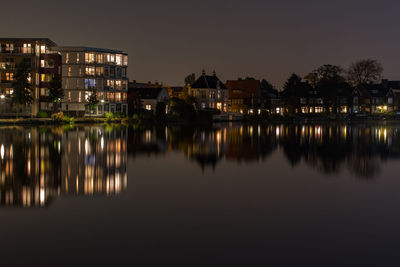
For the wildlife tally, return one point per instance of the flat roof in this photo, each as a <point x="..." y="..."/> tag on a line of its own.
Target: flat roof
<point x="46" y="40"/>
<point x="88" y="49"/>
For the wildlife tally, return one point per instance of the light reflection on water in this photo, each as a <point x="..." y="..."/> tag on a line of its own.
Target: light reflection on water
<point x="177" y="195"/>
<point x="39" y="165"/>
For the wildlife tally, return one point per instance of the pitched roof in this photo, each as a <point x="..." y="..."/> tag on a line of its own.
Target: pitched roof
<point x="376" y="90"/>
<point x="147" y="93"/>
<point x="210" y="82"/>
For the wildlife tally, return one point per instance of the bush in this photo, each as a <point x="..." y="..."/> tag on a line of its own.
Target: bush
<point x="109" y="116"/>
<point x="42" y="114"/>
<point x="59" y="117"/>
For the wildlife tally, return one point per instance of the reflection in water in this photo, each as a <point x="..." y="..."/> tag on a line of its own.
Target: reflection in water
<point x="330" y="149"/>
<point x="38" y="165"/>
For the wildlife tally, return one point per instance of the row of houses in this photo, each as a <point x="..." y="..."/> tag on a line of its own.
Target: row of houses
<point x="84" y="70"/>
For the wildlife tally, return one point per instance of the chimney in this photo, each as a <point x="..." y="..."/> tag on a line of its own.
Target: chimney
<point x="214" y="74"/>
<point x="203" y="72"/>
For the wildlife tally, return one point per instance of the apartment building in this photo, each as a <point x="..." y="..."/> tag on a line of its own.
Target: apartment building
<point x="87" y="70"/>
<point x="44" y="62"/>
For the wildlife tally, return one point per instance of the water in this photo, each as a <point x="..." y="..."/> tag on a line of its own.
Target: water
<point x="243" y="195"/>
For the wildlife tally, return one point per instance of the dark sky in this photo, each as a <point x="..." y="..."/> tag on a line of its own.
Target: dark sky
<point x="168" y="39"/>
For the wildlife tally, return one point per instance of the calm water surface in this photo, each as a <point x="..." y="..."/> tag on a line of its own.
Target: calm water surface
<point x="242" y="195"/>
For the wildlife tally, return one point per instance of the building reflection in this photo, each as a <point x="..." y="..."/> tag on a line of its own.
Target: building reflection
<point x="329" y="148"/>
<point x="38" y="165"/>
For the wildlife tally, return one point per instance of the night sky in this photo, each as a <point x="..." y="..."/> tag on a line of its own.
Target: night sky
<point x="168" y="39"/>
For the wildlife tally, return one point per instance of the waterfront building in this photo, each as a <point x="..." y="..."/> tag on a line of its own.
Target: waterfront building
<point x="147" y="98"/>
<point x="88" y="70"/>
<point x="42" y="60"/>
<point x="210" y="93"/>
<point x="244" y="96"/>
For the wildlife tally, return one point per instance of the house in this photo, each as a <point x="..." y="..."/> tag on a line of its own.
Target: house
<point x="381" y="97"/>
<point x="209" y="93"/>
<point x="244" y="95"/>
<point x="147" y="98"/>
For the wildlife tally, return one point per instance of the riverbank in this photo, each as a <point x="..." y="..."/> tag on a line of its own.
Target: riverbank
<point x="273" y="119"/>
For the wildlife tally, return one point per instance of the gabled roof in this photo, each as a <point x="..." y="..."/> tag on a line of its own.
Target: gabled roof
<point x="376" y="90"/>
<point x="147" y="93"/>
<point x="208" y="82"/>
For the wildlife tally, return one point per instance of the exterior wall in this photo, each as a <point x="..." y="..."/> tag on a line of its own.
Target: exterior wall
<point x="32" y="51"/>
<point x="210" y="98"/>
<point x="243" y="95"/>
<point x="88" y="70"/>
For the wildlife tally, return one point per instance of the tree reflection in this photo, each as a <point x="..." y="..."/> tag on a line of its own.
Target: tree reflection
<point x="328" y="148"/>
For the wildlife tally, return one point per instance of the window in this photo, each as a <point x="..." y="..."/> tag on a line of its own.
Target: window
<point x="44" y="92"/>
<point x="90" y="58"/>
<point x="118" y="60"/>
<point x="67" y="58"/>
<point x="125" y="60"/>
<point x="9" y="76"/>
<point x="148" y="107"/>
<point x="118" y="85"/>
<point x="99" y="71"/>
<point x="390" y="100"/>
<point x="43" y="49"/>
<point x="42" y="63"/>
<point x="77" y="58"/>
<point x="45" y="78"/>
<point x="118" y="97"/>
<point x="318" y="109"/>
<point x="27" y="49"/>
<point x="100" y="108"/>
<point x="69" y="71"/>
<point x="100" y="58"/>
<point x="90" y="71"/>
<point x="69" y="96"/>
<point x="106" y="71"/>
<point x="90" y="83"/>
<point x="79" y="97"/>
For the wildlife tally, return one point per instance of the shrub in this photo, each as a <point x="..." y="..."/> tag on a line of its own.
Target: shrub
<point x="109" y="116"/>
<point x="59" y="117"/>
<point x="42" y="114"/>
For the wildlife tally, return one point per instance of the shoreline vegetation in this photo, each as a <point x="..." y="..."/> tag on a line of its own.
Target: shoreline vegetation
<point x="200" y="119"/>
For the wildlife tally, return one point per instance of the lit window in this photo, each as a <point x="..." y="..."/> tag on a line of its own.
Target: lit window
<point x="90" y="71"/>
<point x="69" y="71"/>
<point x="79" y="96"/>
<point x="43" y="49"/>
<point x="9" y="76"/>
<point x="67" y="58"/>
<point x="148" y="107"/>
<point x="90" y="83"/>
<point x="90" y="58"/>
<point x="42" y="63"/>
<point x="119" y="59"/>
<point x="77" y="57"/>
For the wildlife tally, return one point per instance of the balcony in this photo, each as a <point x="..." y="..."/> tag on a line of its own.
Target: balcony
<point x="17" y="50"/>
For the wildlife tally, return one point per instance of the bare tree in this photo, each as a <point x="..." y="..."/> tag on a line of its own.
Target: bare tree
<point x="364" y="71"/>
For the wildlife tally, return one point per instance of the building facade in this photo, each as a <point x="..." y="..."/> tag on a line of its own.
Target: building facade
<point x="43" y="61"/>
<point x="244" y="95"/>
<point x="87" y="70"/>
<point x="210" y="93"/>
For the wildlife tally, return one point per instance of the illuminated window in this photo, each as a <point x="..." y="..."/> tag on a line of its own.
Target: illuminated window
<point x="42" y="63"/>
<point x="69" y="71"/>
<point x="67" y="58"/>
<point x="77" y="58"/>
<point x="118" y="97"/>
<point x="27" y="48"/>
<point x="318" y="109"/>
<point x="43" y="49"/>
<point x="79" y="96"/>
<point x="90" y="58"/>
<point x="90" y="83"/>
<point x="44" y="92"/>
<point x="69" y="96"/>
<point x="90" y="71"/>
<point x="118" y="59"/>
<point x="9" y="76"/>
<point x="148" y="107"/>
<point x="100" y="58"/>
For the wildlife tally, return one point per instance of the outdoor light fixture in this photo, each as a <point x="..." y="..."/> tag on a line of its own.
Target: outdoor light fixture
<point x="2" y="96"/>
